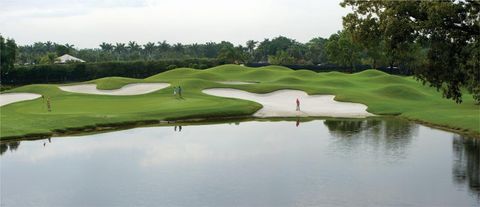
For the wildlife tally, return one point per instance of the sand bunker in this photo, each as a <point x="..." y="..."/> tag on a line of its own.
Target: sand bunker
<point x="130" y="89"/>
<point x="8" y="98"/>
<point x="235" y="82"/>
<point x="281" y="103"/>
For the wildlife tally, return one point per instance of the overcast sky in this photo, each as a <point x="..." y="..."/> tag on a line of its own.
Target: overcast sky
<point x="88" y="23"/>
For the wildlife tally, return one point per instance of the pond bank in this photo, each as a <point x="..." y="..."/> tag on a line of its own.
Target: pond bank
<point x="102" y="128"/>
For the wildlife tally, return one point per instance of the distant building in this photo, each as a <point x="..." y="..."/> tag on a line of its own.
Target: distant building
<point x="67" y="58"/>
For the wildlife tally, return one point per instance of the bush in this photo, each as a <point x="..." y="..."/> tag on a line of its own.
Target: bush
<point x="60" y="73"/>
<point x="170" y="67"/>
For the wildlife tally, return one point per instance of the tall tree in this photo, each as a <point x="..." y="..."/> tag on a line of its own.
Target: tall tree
<point x="251" y="44"/>
<point x="134" y="50"/>
<point x="341" y="50"/>
<point x="149" y="48"/>
<point x="8" y="54"/>
<point x="120" y="50"/>
<point x="450" y="29"/>
<point x="62" y="49"/>
<point x="281" y="58"/>
<point x="316" y="50"/>
<point x="106" y="47"/>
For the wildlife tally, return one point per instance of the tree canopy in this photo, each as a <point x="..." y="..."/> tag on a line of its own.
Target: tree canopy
<point x="438" y="39"/>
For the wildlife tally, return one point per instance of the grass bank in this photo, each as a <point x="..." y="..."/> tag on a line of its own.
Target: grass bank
<point x="384" y="94"/>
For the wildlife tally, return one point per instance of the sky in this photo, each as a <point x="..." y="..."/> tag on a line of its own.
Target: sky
<point x="88" y="23"/>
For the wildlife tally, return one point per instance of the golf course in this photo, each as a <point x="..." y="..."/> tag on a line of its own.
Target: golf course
<point x="381" y="93"/>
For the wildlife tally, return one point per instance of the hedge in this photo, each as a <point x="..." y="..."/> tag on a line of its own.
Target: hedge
<point x="74" y="72"/>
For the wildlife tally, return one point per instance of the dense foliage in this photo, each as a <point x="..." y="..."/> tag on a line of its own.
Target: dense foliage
<point x="225" y="52"/>
<point x="438" y="39"/>
<point x="8" y="53"/>
<point x="55" y="73"/>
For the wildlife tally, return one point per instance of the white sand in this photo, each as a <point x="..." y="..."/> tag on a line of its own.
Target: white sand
<point x="8" y="98"/>
<point x="282" y="103"/>
<point x="130" y="89"/>
<point x="235" y="82"/>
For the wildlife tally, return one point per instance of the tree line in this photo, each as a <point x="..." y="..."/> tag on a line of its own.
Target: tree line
<point x="279" y="50"/>
<point x="339" y="49"/>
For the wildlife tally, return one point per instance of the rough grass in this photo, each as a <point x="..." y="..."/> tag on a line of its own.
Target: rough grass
<point x="381" y="92"/>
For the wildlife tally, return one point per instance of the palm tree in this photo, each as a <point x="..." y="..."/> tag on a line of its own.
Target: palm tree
<point x="107" y="50"/>
<point x="70" y="47"/>
<point x="163" y="48"/>
<point x="106" y="47"/>
<point x="178" y="48"/>
<point x="251" y="46"/>
<point x="194" y="49"/>
<point x="50" y="46"/>
<point x="211" y="49"/>
<point x="149" y="48"/>
<point x="134" y="49"/>
<point x="119" y="49"/>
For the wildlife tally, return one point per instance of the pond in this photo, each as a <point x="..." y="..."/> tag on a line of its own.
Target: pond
<point x="366" y="162"/>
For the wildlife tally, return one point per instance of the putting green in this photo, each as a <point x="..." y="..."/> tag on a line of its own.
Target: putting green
<point x="384" y="94"/>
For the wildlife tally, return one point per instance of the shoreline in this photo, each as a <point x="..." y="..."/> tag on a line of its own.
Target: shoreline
<point x="110" y="127"/>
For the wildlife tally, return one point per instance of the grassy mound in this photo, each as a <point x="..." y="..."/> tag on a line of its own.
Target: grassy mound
<point x="260" y="74"/>
<point x="304" y="74"/>
<point x="339" y="83"/>
<point x="289" y="80"/>
<point x="334" y="74"/>
<point x="389" y="79"/>
<point x="371" y="73"/>
<point x="114" y="82"/>
<point x="277" y="68"/>
<point x="400" y="92"/>
<point x="381" y="92"/>
<point x="174" y="74"/>
<point x="228" y="69"/>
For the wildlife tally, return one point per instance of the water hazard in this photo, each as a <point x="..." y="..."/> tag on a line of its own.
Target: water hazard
<point x="370" y="162"/>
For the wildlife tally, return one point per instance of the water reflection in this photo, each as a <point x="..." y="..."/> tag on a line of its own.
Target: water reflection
<point x="4" y="146"/>
<point x="177" y="127"/>
<point x="466" y="168"/>
<point x="392" y="136"/>
<point x="369" y="162"/>
<point x="391" y="129"/>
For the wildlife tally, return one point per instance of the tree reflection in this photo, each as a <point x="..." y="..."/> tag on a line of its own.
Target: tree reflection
<point x="466" y="167"/>
<point x="389" y="128"/>
<point x="3" y="148"/>
<point x="339" y="128"/>
<point x="393" y="136"/>
<point x="8" y="145"/>
<point x="13" y="145"/>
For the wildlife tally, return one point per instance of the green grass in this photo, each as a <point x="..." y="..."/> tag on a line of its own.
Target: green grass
<point x="384" y="94"/>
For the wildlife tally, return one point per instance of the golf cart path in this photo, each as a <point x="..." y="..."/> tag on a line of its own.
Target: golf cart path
<point x="8" y="98"/>
<point x="129" y="89"/>
<point x="282" y="103"/>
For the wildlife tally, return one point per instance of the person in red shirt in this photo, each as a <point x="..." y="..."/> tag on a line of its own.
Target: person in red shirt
<point x="298" y="105"/>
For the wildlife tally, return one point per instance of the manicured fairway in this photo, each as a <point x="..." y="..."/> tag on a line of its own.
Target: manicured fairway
<point x="384" y="94"/>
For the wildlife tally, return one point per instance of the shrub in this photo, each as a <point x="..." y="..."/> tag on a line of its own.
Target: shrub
<point x="73" y="72"/>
